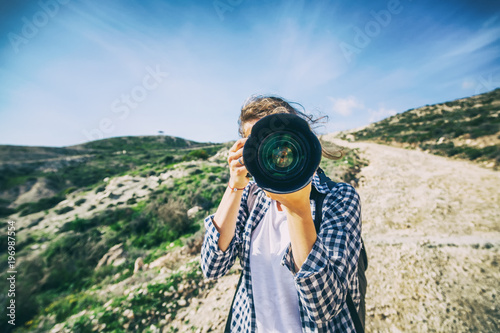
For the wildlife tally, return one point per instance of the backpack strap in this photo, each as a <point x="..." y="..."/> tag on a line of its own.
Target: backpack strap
<point x="318" y="199"/>
<point x="230" y="315"/>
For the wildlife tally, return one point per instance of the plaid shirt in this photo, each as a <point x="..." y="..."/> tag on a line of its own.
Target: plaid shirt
<point x="321" y="282"/>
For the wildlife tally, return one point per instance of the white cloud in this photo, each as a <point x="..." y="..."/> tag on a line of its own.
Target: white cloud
<point x="346" y="106"/>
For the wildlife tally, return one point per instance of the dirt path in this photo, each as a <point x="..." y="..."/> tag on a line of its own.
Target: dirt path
<point x="432" y="230"/>
<point x="431" y="226"/>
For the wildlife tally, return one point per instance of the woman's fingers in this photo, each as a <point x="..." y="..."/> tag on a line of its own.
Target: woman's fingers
<point x="236" y="165"/>
<point x="238" y="144"/>
<point x="237" y="155"/>
<point x="238" y="171"/>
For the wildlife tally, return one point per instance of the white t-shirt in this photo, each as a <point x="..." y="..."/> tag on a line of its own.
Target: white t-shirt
<point x="274" y="293"/>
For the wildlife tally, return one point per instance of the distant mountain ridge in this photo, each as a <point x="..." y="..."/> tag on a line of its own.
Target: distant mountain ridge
<point x="21" y="153"/>
<point x="467" y="128"/>
<point x="52" y="172"/>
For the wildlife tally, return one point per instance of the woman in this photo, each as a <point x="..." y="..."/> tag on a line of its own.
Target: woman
<point x="294" y="279"/>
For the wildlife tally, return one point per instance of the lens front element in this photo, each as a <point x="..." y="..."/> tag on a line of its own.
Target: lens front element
<point x="281" y="155"/>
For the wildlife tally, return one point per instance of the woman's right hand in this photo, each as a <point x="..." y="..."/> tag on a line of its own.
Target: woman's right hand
<point x="237" y="171"/>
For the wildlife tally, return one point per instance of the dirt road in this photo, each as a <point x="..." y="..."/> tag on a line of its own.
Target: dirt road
<point x="432" y="229"/>
<point x="431" y="226"/>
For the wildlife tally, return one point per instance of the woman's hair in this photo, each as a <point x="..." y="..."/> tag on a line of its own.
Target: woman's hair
<point x="258" y="106"/>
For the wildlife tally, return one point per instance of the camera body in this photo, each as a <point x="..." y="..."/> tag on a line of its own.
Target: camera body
<point x="282" y="153"/>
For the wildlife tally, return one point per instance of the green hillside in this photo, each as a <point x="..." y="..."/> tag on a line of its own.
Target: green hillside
<point x="136" y="143"/>
<point x="467" y="128"/>
<point x="66" y="169"/>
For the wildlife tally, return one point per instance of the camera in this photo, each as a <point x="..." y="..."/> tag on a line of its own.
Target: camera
<point x="282" y="153"/>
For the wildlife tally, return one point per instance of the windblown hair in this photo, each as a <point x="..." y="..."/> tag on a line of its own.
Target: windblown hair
<point x="258" y="106"/>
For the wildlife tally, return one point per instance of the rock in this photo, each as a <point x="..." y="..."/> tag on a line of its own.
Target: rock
<point x="114" y="253"/>
<point x="191" y="213"/>
<point x="138" y="265"/>
<point x="119" y="261"/>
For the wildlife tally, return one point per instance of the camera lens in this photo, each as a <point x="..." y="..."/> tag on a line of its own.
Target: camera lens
<point x="281" y="155"/>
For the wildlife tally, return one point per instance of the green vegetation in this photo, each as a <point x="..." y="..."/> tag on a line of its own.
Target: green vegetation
<point x="197" y="154"/>
<point x="140" y="143"/>
<point x="445" y="131"/>
<point x="103" y="158"/>
<point x="67" y="266"/>
<point x="40" y="205"/>
<point x="148" y="305"/>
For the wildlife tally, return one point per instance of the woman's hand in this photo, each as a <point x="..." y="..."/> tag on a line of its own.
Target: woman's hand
<point x="296" y="202"/>
<point x="237" y="171"/>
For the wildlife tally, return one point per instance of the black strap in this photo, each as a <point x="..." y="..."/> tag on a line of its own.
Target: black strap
<point x="230" y="316"/>
<point x="318" y="199"/>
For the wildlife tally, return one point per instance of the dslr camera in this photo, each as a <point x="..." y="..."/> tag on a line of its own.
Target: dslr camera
<point x="282" y="153"/>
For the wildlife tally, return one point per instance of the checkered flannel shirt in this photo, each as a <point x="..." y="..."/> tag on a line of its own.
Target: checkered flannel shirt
<point x="322" y="281"/>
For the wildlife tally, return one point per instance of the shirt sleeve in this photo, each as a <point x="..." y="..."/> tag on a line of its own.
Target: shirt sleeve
<point x="215" y="262"/>
<point x="322" y="280"/>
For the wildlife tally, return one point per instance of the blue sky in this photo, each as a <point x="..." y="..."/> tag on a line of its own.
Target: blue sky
<point x="74" y="71"/>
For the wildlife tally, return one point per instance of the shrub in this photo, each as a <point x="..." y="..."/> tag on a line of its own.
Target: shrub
<point x="70" y="259"/>
<point x="472" y="153"/>
<point x="79" y="202"/>
<point x="79" y="225"/>
<point x="42" y="204"/>
<point x="167" y="159"/>
<point x="69" y="305"/>
<point x="64" y="210"/>
<point x="69" y="190"/>
<point x="100" y="189"/>
<point x="4" y="211"/>
<point x="197" y="154"/>
<point x="173" y="215"/>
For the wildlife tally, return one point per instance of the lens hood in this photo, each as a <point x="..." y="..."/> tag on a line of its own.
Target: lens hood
<point x="282" y="153"/>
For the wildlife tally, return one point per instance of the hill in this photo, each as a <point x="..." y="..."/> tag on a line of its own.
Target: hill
<point x="466" y="128"/>
<point x="34" y="179"/>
